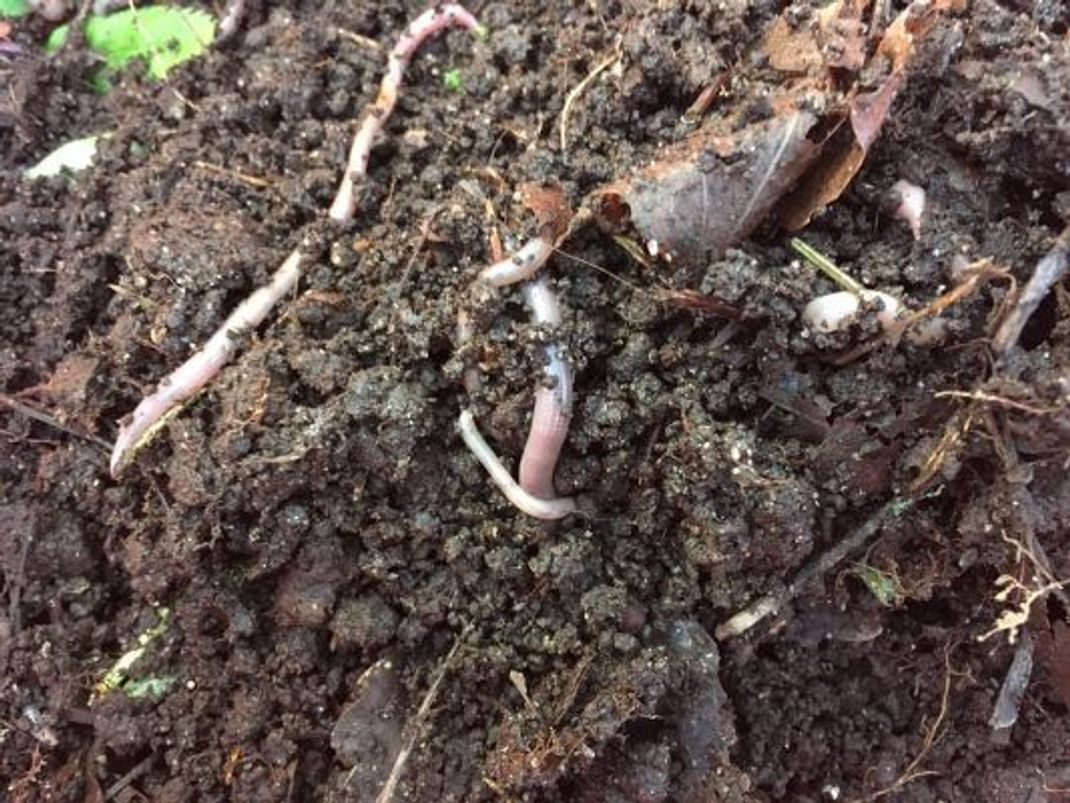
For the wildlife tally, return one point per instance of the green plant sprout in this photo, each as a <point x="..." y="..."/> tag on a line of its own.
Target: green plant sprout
<point x="152" y="686"/>
<point x="14" y="8"/>
<point x="452" y="80"/>
<point x="118" y="675"/>
<point x="882" y="585"/>
<point x="163" y="36"/>
<point x="826" y="266"/>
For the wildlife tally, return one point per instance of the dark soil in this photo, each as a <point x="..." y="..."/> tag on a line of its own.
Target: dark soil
<point x="321" y="538"/>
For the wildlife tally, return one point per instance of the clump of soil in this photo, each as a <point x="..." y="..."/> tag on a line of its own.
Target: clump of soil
<point x="327" y="550"/>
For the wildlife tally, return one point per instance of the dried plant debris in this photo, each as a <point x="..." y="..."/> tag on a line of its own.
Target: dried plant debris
<point x="710" y="191"/>
<point x="666" y="700"/>
<point x="866" y="110"/>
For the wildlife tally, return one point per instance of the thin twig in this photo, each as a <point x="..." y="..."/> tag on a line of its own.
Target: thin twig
<point x="981" y="396"/>
<point x="253" y="181"/>
<point x="1048" y="272"/>
<point x="415" y="724"/>
<point x="45" y="418"/>
<point x="580" y="88"/>
<point x="132" y="775"/>
<point x="745" y="619"/>
<point x="363" y="41"/>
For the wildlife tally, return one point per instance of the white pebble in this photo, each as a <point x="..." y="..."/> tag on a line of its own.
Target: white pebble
<point x="835" y="311"/>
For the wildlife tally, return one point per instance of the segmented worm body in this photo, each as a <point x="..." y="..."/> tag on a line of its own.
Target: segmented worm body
<point x="431" y="22"/>
<point x="524" y="501"/>
<point x="198" y="370"/>
<point x="534" y="494"/>
<point x="522" y="265"/>
<point x="553" y="400"/>
<point x="190" y="377"/>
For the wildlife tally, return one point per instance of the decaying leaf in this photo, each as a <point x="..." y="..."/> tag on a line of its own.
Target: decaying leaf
<point x="548" y="204"/>
<point x="713" y="189"/>
<point x="708" y="192"/>
<point x="867" y="111"/>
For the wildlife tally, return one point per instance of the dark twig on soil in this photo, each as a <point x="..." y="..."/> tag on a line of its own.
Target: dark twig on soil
<point x="131" y="775"/>
<point x="415" y="725"/>
<point x="745" y="619"/>
<point x="15" y="585"/>
<point x="45" y="418"/>
<point x="1048" y="272"/>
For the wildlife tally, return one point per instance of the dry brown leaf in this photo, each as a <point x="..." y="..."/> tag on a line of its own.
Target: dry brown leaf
<point x="835" y="38"/>
<point x="549" y="205"/>
<point x="867" y="112"/>
<point x="841" y="34"/>
<point x="791" y="50"/>
<point x="712" y="190"/>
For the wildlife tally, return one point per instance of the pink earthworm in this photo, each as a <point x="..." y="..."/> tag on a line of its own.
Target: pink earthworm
<point x="911" y="205"/>
<point x="534" y="494"/>
<point x="435" y="19"/>
<point x="185" y="381"/>
<point x="233" y="12"/>
<point x="527" y="503"/>
<point x="196" y="372"/>
<point x="553" y="400"/>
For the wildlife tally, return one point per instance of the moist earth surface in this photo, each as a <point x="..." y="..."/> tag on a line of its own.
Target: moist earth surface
<point x="324" y="582"/>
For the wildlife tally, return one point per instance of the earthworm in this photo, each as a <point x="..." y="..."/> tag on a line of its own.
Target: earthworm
<point x="526" y="502"/>
<point x="233" y="12"/>
<point x="196" y="372"/>
<point x="521" y="265"/>
<point x="910" y="205"/>
<point x="553" y="400"/>
<point x="431" y="22"/>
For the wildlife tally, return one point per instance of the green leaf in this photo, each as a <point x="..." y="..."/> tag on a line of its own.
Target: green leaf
<point x="148" y="687"/>
<point x="117" y="675"/>
<point x="881" y="585"/>
<point x="452" y="80"/>
<point x="14" y="8"/>
<point x="163" y="36"/>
